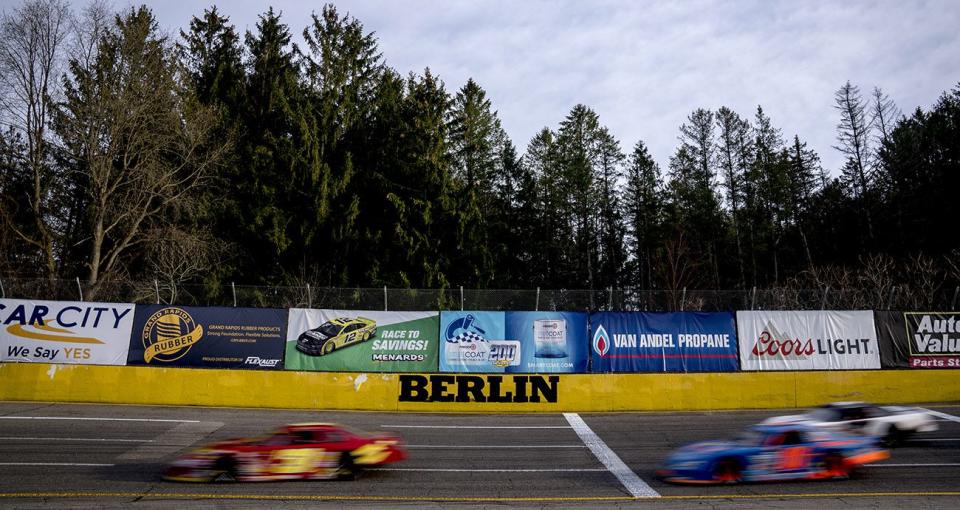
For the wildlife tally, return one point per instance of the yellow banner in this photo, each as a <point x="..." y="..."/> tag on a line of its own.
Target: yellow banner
<point x="172" y="345"/>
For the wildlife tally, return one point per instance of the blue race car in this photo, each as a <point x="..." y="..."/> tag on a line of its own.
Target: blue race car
<point x="772" y="452"/>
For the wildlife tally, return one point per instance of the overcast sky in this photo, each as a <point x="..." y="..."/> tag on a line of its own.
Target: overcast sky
<point x="643" y="65"/>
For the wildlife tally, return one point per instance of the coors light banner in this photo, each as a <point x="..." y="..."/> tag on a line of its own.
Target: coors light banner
<point x="809" y="340"/>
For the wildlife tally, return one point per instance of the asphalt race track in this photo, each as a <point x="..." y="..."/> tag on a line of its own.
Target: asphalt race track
<point x="70" y="455"/>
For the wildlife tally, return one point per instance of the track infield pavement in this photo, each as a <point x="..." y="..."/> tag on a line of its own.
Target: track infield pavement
<point x="77" y="455"/>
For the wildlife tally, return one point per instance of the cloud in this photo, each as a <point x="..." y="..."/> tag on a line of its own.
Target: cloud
<point x="643" y="66"/>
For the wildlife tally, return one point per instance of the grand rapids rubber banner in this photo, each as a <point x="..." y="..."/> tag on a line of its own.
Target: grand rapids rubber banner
<point x="808" y="340"/>
<point x="361" y="341"/>
<point x="919" y="339"/>
<point x="663" y="342"/>
<point x="513" y="342"/>
<point x="65" y="331"/>
<point x="208" y="337"/>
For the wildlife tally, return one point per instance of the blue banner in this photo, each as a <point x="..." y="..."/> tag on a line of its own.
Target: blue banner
<point x="513" y="342"/>
<point x="663" y="342"/>
<point x="208" y="337"/>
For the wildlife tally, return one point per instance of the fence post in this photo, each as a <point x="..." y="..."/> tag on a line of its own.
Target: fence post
<point x="385" y="298"/>
<point x="893" y="290"/>
<point x="461" y="298"/>
<point x="953" y="305"/>
<point x="309" y="297"/>
<point x="156" y="287"/>
<point x="683" y="299"/>
<point x="234" y="289"/>
<point x="823" y="303"/>
<point x="536" y="306"/>
<point x="3" y="293"/>
<point x="609" y="298"/>
<point x="753" y="298"/>
<point x="79" y="288"/>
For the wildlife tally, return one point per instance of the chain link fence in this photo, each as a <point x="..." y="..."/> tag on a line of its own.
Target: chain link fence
<point x="365" y="298"/>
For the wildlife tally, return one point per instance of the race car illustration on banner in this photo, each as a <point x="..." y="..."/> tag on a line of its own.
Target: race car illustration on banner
<point x="766" y="453"/>
<point x="335" y="334"/>
<point x="306" y="451"/>
<point x="892" y="424"/>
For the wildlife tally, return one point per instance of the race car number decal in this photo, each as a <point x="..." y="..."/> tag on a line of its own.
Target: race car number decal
<point x="295" y="461"/>
<point x="794" y="458"/>
<point x="373" y="453"/>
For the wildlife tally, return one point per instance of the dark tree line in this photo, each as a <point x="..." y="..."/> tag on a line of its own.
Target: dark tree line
<point x="215" y="156"/>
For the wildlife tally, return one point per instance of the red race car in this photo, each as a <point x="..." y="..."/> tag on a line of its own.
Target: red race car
<point x="304" y="451"/>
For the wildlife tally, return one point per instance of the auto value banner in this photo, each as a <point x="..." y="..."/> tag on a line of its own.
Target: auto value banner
<point x="361" y="341"/>
<point x="919" y="339"/>
<point x="65" y="331"/>
<point x="208" y="337"/>
<point x="663" y="342"/>
<point x="513" y="342"/>
<point x="809" y="340"/>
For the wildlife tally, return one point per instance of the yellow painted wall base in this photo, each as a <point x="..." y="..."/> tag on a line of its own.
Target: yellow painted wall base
<point x="380" y="392"/>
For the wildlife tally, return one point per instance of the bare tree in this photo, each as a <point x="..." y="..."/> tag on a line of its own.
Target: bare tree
<point x="853" y="137"/>
<point x="884" y="115"/>
<point x="137" y="138"/>
<point x="32" y="40"/>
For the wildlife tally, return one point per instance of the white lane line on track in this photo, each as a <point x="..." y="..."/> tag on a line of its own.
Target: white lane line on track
<point x="949" y="464"/>
<point x="50" y="464"/>
<point x="609" y="458"/>
<point x="934" y="439"/>
<point x="85" y="418"/>
<point x="474" y="446"/>
<point x="475" y="426"/>
<point x="945" y="416"/>
<point x="91" y="439"/>
<point x="441" y="470"/>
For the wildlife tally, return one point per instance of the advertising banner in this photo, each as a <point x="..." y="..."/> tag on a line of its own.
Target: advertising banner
<point x="361" y="341"/>
<point x="513" y="342"/>
<point x="208" y="337"/>
<point x="65" y="331"/>
<point x="919" y="339"/>
<point x="663" y="342"/>
<point x="809" y="340"/>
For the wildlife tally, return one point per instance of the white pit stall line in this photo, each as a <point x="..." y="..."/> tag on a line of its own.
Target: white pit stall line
<point x="475" y="426"/>
<point x="629" y="479"/>
<point x="91" y="439"/>
<point x="53" y="464"/>
<point x="84" y="418"/>
<point x="949" y="464"/>
<point x="442" y="470"/>
<point x="492" y="446"/>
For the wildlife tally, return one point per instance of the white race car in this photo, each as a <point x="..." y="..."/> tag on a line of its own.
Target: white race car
<point x="892" y="424"/>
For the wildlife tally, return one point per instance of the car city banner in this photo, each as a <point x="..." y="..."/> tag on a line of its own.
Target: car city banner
<point x="361" y="341"/>
<point x="513" y="342"/>
<point x="65" y="331"/>
<point x="810" y="340"/>
<point x="919" y="339"/>
<point x="208" y="337"/>
<point x="663" y="342"/>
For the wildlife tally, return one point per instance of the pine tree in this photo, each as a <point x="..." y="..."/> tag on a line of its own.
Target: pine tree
<point x="643" y="207"/>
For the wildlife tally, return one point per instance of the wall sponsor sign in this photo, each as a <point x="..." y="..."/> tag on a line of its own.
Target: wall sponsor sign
<point x="361" y="341"/>
<point x="208" y="337"/>
<point x="663" y="342"/>
<point x="807" y="340"/>
<point x="513" y="342"/>
<point x="478" y="388"/>
<point x="919" y="339"/>
<point x="65" y="331"/>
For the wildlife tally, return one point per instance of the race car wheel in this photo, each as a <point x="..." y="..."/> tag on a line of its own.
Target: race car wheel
<point x="329" y="347"/>
<point x="226" y="470"/>
<point x="726" y="471"/>
<point x="346" y="469"/>
<point x="835" y="466"/>
<point x="893" y="437"/>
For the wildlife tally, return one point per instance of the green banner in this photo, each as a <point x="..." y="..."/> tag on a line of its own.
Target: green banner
<point x="362" y="341"/>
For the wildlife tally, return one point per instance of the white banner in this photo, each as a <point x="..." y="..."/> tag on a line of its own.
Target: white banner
<point x="65" y="332"/>
<point x="815" y="340"/>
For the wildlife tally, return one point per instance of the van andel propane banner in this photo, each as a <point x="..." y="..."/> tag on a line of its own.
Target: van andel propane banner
<point x="919" y="339"/>
<point x="361" y="341"/>
<point x="808" y="340"/>
<point x="513" y="342"/>
<point x="208" y="337"/>
<point x="663" y="342"/>
<point x="65" y="331"/>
